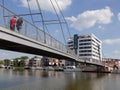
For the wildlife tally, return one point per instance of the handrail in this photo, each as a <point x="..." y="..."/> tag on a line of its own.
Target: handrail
<point x="32" y="31"/>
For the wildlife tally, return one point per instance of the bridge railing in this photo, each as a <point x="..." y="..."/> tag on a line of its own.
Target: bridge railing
<point x="31" y="31"/>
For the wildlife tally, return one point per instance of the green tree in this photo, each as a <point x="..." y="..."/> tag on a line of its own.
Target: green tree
<point x="6" y="62"/>
<point x="15" y="62"/>
<point x="24" y="57"/>
<point x="2" y="62"/>
<point x="20" y="62"/>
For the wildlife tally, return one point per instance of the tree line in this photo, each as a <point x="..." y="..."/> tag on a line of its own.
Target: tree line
<point x="17" y="62"/>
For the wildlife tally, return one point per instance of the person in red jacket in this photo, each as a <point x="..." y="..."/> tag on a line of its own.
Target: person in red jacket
<point x="12" y="23"/>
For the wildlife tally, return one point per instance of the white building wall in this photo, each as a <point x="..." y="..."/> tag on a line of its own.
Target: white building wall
<point x="89" y="46"/>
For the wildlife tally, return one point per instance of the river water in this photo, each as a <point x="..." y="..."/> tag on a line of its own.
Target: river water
<point x="50" y="80"/>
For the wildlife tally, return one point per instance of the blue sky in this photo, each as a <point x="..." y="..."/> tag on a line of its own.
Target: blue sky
<point x="100" y="17"/>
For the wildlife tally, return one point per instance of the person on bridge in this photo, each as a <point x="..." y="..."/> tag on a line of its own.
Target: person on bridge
<point x="19" y="24"/>
<point x="12" y="23"/>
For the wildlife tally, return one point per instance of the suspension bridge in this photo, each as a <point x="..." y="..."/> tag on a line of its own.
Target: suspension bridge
<point x="35" y="40"/>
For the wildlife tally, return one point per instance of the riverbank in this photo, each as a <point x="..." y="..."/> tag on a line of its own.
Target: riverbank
<point x="70" y="69"/>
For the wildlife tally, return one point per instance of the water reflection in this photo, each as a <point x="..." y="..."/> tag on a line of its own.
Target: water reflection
<point x="50" y="80"/>
<point x="82" y="81"/>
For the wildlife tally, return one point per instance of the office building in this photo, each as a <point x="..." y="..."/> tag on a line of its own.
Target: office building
<point x="86" y="46"/>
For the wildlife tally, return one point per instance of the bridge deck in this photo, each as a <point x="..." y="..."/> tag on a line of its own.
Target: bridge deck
<point x="14" y="41"/>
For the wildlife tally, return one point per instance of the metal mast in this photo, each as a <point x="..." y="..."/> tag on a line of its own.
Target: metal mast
<point x="63" y="18"/>
<point x="43" y="24"/>
<point x="30" y="12"/>
<point x="59" y="21"/>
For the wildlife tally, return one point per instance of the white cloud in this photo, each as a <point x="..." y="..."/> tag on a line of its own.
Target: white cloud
<point x="4" y="54"/>
<point x="119" y="16"/>
<point x="112" y="41"/>
<point x="46" y="4"/>
<point x="117" y="52"/>
<point x="100" y="27"/>
<point x="113" y="54"/>
<point x="73" y="19"/>
<point x="90" y="18"/>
